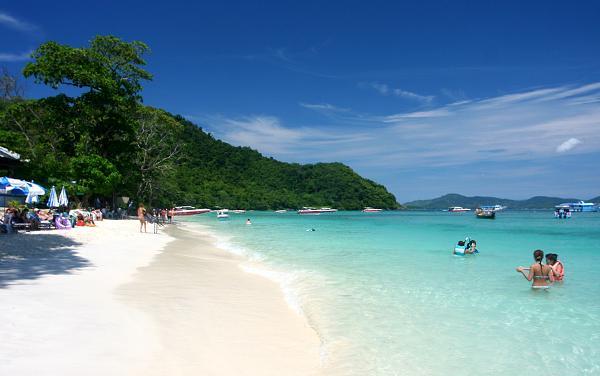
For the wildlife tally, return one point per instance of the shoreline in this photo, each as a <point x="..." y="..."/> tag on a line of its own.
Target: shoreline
<point x="220" y="319"/>
<point x="112" y="301"/>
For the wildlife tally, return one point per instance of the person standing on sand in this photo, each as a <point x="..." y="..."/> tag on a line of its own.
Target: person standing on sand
<point x="141" y="213"/>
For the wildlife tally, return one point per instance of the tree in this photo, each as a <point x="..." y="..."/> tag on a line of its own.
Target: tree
<point x="158" y="143"/>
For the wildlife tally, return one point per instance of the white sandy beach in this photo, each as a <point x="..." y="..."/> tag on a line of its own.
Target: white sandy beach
<point x="111" y="301"/>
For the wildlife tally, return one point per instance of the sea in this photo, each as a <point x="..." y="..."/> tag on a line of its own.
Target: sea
<point x="387" y="296"/>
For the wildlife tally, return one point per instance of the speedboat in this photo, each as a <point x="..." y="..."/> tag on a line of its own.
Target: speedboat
<point x="281" y="211"/>
<point x="457" y="209"/>
<point x="307" y="210"/>
<point x="493" y="208"/>
<point x="485" y="214"/>
<point x="189" y="210"/>
<point x="221" y="214"/>
<point x="238" y="211"/>
<point x="369" y="209"/>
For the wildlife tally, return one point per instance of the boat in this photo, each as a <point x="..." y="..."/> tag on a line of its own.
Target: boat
<point x="307" y="210"/>
<point x="562" y="211"/>
<point x="580" y="206"/>
<point x="281" y="211"/>
<point x="238" y="211"/>
<point x="221" y="214"/>
<point x="189" y="210"/>
<point x="485" y="214"/>
<point x="369" y="209"/>
<point x="457" y="209"/>
<point x="493" y="208"/>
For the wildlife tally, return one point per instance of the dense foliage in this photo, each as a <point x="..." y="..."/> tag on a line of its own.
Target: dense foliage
<point x="103" y="142"/>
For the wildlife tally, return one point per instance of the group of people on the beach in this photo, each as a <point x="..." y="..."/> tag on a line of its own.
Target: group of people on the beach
<point x="543" y="275"/>
<point x="161" y="216"/>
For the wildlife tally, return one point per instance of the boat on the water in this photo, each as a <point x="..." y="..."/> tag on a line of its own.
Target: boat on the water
<point x="189" y="210"/>
<point x="281" y="211"/>
<point x="493" y="208"/>
<point x="369" y="209"/>
<point x="580" y="206"/>
<point x="238" y="211"/>
<point x="458" y="209"/>
<point x="562" y="211"/>
<point x="485" y="214"/>
<point x="307" y="210"/>
<point x="221" y="214"/>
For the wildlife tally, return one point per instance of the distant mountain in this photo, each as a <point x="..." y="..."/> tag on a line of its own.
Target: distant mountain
<point x="454" y="199"/>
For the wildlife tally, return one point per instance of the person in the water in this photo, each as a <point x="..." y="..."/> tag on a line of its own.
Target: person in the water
<point x="558" y="268"/>
<point x="539" y="273"/>
<point x="472" y="247"/>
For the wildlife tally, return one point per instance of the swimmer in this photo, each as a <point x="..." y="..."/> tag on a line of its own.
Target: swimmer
<point x="471" y="247"/>
<point x="540" y="274"/>
<point x="310" y="229"/>
<point x="248" y="221"/>
<point x="557" y="266"/>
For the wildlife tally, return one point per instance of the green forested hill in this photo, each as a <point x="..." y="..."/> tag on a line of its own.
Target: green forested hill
<point x="105" y="143"/>
<point x="213" y="173"/>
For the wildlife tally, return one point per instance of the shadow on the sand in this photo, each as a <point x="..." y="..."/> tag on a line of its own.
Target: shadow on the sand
<point x="31" y="256"/>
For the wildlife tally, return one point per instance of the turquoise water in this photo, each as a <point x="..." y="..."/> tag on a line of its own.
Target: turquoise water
<point x="387" y="296"/>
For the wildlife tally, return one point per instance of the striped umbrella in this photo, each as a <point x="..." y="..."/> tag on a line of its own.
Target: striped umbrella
<point x="32" y="198"/>
<point x="63" y="200"/>
<point x="53" y="200"/>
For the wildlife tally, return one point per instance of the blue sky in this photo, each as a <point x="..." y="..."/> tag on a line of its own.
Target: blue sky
<point x="487" y="98"/>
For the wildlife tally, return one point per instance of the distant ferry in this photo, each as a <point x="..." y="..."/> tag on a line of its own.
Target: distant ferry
<point x="458" y="209"/>
<point x="306" y="210"/>
<point x="189" y="210"/>
<point x="580" y="206"/>
<point x="369" y="209"/>
<point x="493" y="208"/>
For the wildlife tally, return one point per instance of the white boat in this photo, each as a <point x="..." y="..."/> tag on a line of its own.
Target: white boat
<point x="494" y="208"/>
<point x="457" y="209"/>
<point x="580" y="206"/>
<point x="221" y="214"/>
<point x="238" y="211"/>
<point x="369" y="209"/>
<point x="281" y="211"/>
<point x="188" y="210"/>
<point x="306" y="210"/>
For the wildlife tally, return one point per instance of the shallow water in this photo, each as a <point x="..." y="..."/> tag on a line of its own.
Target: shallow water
<point x="387" y="296"/>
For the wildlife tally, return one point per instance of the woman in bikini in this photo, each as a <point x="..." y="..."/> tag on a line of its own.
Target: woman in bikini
<point x="539" y="273"/>
<point x="141" y="213"/>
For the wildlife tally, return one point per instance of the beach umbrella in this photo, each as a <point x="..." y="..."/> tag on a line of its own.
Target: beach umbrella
<point x="53" y="200"/>
<point x="31" y="198"/>
<point x="20" y="187"/>
<point x="63" y="200"/>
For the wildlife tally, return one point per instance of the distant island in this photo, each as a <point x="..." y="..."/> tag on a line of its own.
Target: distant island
<point x="454" y="199"/>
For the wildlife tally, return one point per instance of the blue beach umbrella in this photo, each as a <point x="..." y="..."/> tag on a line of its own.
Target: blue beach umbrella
<point x="31" y="198"/>
<point x="63" y="200"/>
<point x="53" y="200"/>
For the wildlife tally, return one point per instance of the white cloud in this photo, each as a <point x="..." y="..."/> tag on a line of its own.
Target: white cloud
<point x="568" y="145"/>
<point x="9" y="57"/>
<point x="512" y="127"/>
<point x="14" y="23"/>
<point x="384" y="89"/>
<point x="323" y="107"/>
